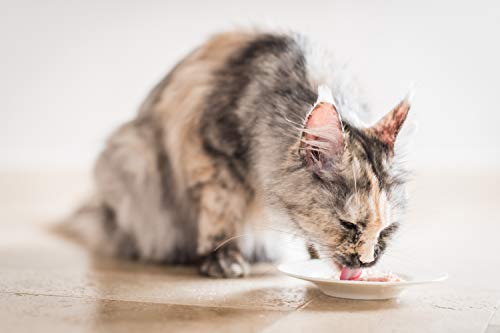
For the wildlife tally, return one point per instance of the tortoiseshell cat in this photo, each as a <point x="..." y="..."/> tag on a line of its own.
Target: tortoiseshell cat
<point x="237" y="132"/>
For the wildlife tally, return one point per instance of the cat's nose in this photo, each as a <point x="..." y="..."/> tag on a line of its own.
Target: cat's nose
<point x="367" y="258"/>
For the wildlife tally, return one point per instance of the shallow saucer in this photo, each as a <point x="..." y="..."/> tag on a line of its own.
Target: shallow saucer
<point x="321" y="273"/>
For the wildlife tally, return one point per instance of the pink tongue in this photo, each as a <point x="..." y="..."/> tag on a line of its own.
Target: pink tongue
<point x="350" y="273"/>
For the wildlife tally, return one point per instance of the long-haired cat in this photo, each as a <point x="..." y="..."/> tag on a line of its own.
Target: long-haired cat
<point x="248" y="127"/>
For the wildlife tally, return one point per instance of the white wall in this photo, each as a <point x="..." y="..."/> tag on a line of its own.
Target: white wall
<point x="72" y="70"/>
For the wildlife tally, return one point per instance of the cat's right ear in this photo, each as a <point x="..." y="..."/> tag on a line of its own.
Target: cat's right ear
<point x="387" y="128"/>
<point x="323" y="136"/>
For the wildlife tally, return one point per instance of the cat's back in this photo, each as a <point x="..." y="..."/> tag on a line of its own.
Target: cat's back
<point x="204" y="137"/>
<point x="206" y="86"/>
<point x="193" y="76"/>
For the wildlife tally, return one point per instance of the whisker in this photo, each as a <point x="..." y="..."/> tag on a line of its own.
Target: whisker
<point x="298" y="125"/>
<point x="285" y="241"/>
<point x="224" y="242"/>
<point x="299" y="235"/>
<point x="355" y="182"/>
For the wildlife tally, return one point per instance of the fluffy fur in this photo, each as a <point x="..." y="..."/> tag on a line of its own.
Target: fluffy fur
<point x="224" y="142"/>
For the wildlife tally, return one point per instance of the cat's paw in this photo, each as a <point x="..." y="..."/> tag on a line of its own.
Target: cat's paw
<point x="224" y="263"/>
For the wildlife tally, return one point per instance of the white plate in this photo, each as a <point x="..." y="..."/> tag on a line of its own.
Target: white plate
<point x="320" y="273"/>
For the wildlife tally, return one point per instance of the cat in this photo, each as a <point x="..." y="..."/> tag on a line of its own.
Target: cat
<point x="250" y="126"/>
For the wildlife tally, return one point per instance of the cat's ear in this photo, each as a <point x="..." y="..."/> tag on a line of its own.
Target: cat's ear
<point x="386" y="129"/>
<point x="323" y="137"/>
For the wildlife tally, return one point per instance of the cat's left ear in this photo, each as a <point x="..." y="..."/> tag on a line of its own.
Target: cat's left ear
<point x="386" y="129"/>
<point x="323" y="136"/>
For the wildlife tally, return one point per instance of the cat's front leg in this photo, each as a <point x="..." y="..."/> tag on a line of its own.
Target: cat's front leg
<point x="222" y="205"/>
<point x="226" y="262"/>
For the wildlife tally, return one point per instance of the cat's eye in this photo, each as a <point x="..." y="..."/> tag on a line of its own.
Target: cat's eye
<point x="348" y="225"/>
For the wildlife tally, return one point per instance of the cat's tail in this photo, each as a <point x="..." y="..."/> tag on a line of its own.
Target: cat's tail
<point x="90" y="225"/>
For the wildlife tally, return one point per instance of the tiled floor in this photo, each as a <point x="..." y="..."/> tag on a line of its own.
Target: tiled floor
<point x="49" y="284"/>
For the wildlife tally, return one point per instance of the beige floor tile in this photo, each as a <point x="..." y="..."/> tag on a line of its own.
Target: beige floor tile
<point x="29" y="313"/>
<point x="453" y="225"/>
<point x="426" y="310"/>
<point x="43" y="264"/>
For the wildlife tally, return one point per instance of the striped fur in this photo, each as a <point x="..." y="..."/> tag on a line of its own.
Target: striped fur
<point x="217" y="149"/>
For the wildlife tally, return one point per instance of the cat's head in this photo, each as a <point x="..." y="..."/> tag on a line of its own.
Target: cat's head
<point x="343" y="190"/>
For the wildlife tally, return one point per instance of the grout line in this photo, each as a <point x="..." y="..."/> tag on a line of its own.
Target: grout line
<point x="305" y="304"/>
<point x="496" y="309"/>
<point x="299" y="308"/>
<point x="109" y="299"/>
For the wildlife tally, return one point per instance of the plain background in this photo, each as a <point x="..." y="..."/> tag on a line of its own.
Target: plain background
<point x="71" y="71"/>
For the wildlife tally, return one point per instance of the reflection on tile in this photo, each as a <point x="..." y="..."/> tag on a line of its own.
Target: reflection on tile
<point x="429" y="309"/>
<point x="28" y="313"/>
<point x="53" y="267"/>
<point x="61" y="288"/>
